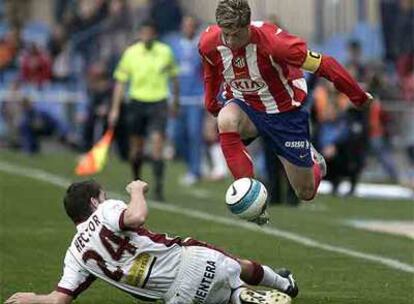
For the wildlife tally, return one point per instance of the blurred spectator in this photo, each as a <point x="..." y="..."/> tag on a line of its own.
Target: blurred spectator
<point x="84" y="24"/>
<point x="61" y="7"/>
<point x="332" y="134"/>
<point x="57" y="41"/>
<point x="190" y="121"/>
<point x="141" y="11"/>
<point x="342" y="136"/>
<point x="66" y="64"/>
<point x="10" y="114"/>
<point x="35" y="124"/>
<point x="10" y="45"/>
<point x="17" y="12"/>
<point x="354" y="62"/>
<point x="116" y="32"/>
<point x="404" y="30"/>
<point x="410" y="141"/>
<point x="66" y="67"/>
<point x="381" y="83"/>
<point x="147" y="66"/>
<point x="99" y="93"/>
<point x="85" y="15"/>
<point x="378" y="144"/>
<point x="398" y="28"/>
<point x="167" y="16"/>
<point x="99" y="86"/>
<point x="35" y="66"/>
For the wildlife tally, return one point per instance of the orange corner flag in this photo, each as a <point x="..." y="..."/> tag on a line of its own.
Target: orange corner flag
<point x="94" y="161"/>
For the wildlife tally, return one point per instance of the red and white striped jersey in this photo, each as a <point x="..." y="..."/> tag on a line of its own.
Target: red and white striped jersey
<point x="266" y="73"/>
<point x="139" y="262"/>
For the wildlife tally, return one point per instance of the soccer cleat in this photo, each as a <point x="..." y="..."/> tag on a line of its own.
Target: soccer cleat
<point x="250" y="296"/>
<point x="293" y="288"/>
<point x="319" y="159"/>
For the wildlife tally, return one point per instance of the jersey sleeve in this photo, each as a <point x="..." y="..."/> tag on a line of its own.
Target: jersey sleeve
<point x="212" y="77"/>
<point x="212" y="85"/>
<point x="288" y="48"/>
<point x="122" y="71"/>
<point x="75" y="279"/>
<point x="332" y="70"/>
<point x="113" y="214"/>
<point x="293" y="50"/>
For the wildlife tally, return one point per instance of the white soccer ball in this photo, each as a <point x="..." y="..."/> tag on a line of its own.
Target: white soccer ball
<point x="246" y="198"/>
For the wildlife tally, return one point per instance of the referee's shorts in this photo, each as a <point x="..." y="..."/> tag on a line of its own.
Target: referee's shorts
<point x="144" y="118"/>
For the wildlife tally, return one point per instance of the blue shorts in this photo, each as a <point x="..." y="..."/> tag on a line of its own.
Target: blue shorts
<point x="287" y="133"/>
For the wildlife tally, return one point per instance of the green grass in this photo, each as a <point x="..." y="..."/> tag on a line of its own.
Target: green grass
<point x="34" y="234"/>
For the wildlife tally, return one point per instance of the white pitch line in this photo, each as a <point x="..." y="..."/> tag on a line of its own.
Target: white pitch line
<point x="305" y="241"/>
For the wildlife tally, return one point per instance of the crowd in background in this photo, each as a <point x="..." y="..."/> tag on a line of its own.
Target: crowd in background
<point x="84" y="46"/>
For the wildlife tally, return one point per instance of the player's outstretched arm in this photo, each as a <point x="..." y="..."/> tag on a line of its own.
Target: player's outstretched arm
<point x="137" y="211"/>
<point x="55" y="297"/>
<point x="294" y="51"/>
<point x="327" y="67"/>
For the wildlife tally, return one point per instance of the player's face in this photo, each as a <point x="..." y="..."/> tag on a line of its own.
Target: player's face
<point x="236" y="38"/>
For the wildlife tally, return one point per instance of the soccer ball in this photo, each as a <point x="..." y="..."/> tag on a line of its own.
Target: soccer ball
<point x="246" y="198"/>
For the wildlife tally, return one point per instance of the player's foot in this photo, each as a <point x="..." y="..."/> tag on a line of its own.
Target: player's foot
<point x="319" y="159"/>
<point x="250" y="296"/>
<point x="262" y="219"/>
<point x="293" y="288"/>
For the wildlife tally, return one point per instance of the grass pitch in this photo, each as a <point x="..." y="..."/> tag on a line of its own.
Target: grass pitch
<point x="35" y="232"/>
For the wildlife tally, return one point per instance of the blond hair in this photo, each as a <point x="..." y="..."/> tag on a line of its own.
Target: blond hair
<point x="233" y="13"/>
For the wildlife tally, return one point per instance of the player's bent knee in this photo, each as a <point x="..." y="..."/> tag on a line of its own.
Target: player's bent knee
<point x="228" y="122"/>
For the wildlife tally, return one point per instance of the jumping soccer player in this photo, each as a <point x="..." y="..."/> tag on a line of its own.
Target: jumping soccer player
<point x="259" y="66"/>
<point x="112" y="244"/>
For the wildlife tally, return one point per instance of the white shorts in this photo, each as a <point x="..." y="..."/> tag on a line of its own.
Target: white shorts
<point x="206" y="276"/>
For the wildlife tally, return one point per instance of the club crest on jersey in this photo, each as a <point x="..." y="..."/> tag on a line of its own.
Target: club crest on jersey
<point x="247" y="85"/>
<point x="239" y="62"/>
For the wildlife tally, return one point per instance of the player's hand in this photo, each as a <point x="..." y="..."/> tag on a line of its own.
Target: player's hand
<point x="21" y="298"/>
<point x="368" y="102"/>
<point x="137" y="186"/>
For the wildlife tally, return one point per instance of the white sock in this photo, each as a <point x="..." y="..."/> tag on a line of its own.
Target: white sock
<point x="273" y="280"/>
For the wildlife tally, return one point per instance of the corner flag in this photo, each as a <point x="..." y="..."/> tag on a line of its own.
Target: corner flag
<point x="94" y="161"/>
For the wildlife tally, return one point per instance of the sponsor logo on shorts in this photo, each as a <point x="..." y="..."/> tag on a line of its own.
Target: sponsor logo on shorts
<point x="298" y="144"/>
<point x="205" y="284"/>
<point x="247" y="85"/>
